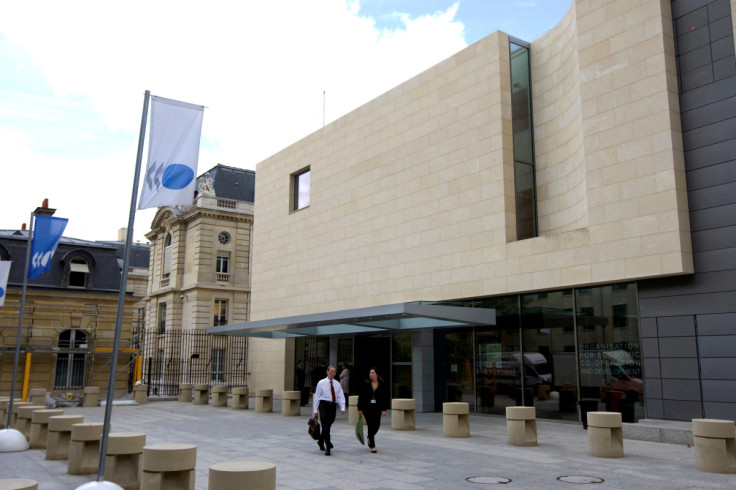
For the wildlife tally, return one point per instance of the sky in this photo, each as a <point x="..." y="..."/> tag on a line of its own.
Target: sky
<point x="73" y="76"/>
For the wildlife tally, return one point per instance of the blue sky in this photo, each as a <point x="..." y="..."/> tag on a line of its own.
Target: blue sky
<point x="73" y="74"/>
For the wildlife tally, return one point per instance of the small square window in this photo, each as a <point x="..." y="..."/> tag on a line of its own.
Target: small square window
<point x="300" y="184"/>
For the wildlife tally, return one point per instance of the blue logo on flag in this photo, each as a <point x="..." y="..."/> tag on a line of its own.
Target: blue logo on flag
<point x="177" y="176"/>
<point x="46" y="237"/>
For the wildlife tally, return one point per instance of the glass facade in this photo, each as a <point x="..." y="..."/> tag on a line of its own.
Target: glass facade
<point x="559" y="351"/>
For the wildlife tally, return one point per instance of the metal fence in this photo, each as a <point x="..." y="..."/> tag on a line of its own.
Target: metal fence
<point x="192" y="356"/>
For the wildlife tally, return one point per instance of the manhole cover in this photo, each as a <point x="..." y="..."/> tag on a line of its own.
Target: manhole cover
<point x="488" y="480"/>
<point x="580" y="479"/>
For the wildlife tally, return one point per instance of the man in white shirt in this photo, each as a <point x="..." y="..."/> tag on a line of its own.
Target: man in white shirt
<point x="327" y="396"/>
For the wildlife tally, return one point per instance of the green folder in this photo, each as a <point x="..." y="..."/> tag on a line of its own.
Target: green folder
<point x="359" y="430"/>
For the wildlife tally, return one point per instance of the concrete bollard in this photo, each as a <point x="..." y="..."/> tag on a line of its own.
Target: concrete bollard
<point x="264" y="401"/>
<point x="243" y="474"/>
<point x="291" y="403"/>
<point x="37" y="396"/>
<point x="403" y="413"/>
<point x="167" y="466"/>
<point x="18" y="484"/>
<point x="521" y="426"/>
<point x="123" y="458"/>
<point x="456" y="419"/>
<point x="84" y="448"/>
<point x="140" y="393"/>
<point x="605" y="435"/>
<point x="39" y="427"/>
<point x="23" y="418"/>
<point x="185" y="393"/>
<point x="715" y="445"/>
<point x="219" y="396"/>
<point x="240" y="398"/>
<point x="59" y="435"/>
<point x="91" y="396"/>
<point x="201" y="394"/>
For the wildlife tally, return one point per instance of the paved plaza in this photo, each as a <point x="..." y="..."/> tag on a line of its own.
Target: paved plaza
<point x="419" y="459"/>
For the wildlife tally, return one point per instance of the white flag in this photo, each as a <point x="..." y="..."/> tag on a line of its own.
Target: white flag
<point x="173" y="151"/>
<point x="4" y="272"/>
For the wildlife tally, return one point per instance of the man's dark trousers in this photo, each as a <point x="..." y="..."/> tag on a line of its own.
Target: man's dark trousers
<point x="327" y="412"/>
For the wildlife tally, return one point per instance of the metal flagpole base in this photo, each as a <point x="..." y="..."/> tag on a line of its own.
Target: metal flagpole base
<point x="100" y="485"/>
<point x="12" y="441"/>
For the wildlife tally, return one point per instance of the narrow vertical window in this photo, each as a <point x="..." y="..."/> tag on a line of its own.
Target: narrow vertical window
<point x="220" y="312"/>
<point x="300" y="184"/>
<point x="162" y="318"/>
<point x="166" y="269"/>
<point x="522" y="125"/>
<point x="218" y="364"/>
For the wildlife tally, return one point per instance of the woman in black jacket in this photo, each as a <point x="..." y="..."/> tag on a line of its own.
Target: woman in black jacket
<point x="373" y="403"/>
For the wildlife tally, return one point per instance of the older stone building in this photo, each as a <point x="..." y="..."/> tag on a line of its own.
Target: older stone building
<point x="69" y="318"/>
<point x="200" y="277"/>
<point x="539" y="223"/>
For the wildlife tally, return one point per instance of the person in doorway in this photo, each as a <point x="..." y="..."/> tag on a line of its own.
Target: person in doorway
<point x="319" y="373"/>
<point x="345" y="380"/>
<point x="301" y="380"/>
<point x="372" y="404"/>
<point x="327" y="397"/>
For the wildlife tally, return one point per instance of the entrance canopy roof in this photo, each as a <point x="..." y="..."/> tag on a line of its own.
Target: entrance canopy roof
<point x="375" y="319"/>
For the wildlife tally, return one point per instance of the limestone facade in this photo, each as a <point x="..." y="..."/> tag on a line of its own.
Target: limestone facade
<point x="412" y="194"/>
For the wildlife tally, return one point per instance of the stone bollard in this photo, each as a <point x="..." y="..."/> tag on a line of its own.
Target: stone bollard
<point x="264" y="401"/>
<point x="605" y="435"/>
<point x="91" y="396"/>
<point x="23" y="418"/>
<point x="40" y="427"/>
<point x="59" y="435"/>
<point x="14" y="417"/>
<point x="243" y="474"/>
<point x="456" y="419"/>
<point x="219" y="396"/>
<point x="185" y="393"/>
<point x="352" y="410"/>
<point x="167" y="466"/>
<point x="521" y="426"/>
<point x="123" y="458"/>
<point x="403" y="413"/>
<point x="84" y="448"/>
<point x="201" y="394"/>
<point x="18" y="484"/>
<point x="291" y="403"/>
<point x="240" y="398"/>
<point x="140" y="393"/>
<point x="37" y="396"/>
<point x="4" y="401"/>
<point x="715" y="445"/>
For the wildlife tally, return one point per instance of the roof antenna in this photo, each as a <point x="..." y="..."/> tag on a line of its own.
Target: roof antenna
<point x="324" y="96"/>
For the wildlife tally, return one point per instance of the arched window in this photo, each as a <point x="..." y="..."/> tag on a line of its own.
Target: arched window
<point x="166" y="270"/>
<point x="70" y="365"/>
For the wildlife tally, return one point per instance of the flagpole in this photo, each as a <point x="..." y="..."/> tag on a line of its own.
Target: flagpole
<point x="20" y="321"/>
<point x="122" y="294"/>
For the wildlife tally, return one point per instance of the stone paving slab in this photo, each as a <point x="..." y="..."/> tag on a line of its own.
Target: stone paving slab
<point x="419" y="459"/>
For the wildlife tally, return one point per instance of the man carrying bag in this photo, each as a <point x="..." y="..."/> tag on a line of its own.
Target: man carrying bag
<point x="327" y="396"/>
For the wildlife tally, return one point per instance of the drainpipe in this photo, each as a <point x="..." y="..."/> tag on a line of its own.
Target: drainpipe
<point x="26" y="376"/>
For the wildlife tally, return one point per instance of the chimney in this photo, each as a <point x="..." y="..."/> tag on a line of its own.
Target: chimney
<point x="122" y="234"/>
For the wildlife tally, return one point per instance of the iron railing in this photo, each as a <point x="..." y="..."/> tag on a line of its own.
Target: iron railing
<point x="192" y="356"/>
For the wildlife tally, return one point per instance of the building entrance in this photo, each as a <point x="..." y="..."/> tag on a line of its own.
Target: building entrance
<point x="371" y="351"/>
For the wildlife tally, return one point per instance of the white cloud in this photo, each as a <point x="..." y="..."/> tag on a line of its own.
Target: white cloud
<point x="259" y="67"/>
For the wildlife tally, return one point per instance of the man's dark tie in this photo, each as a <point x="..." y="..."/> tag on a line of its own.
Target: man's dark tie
<point x="332" y="389"/>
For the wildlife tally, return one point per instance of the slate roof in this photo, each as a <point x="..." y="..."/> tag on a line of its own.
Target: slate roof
<point x="233" y="183"/>
<point x="101" y="257"/>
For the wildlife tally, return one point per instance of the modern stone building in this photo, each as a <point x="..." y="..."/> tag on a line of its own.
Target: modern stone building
<point x="69" y="317"/>
<point x="537" y="223"/>
<point x="199" y="276"/>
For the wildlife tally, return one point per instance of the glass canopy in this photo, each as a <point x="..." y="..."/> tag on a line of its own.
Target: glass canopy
<point x="402" y="316"/>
